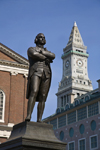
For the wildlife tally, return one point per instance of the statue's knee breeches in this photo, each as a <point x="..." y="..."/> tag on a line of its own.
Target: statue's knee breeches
<point x="33" y="93"/>
<point x="35" y="82"/>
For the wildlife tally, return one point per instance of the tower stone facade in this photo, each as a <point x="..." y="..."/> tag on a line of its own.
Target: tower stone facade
<point x="75" y="80"/>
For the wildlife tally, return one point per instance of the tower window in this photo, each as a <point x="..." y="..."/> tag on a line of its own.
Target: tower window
<point x="2" y="105"/>
<point x="67" y="99"/>
<point x="79" y="50"/>
<point x="61" y="101"/>
<point x="80" y="81"/>
<point x="64" y="100"/>
<point x="76" y="81"/>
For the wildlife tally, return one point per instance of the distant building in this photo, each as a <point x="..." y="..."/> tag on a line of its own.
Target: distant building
<point x="77" y="117"/>
<point x="13" y="82"/>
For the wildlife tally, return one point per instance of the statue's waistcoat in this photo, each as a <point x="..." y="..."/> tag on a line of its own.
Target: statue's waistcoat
<point x="38" y="67"/>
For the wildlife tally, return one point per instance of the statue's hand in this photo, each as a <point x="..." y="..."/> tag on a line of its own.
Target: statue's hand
<point x="48" y="61"/>
<point x="40" y="52"/>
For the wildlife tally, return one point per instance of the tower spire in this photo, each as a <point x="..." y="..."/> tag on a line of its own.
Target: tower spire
<point x="75" y="37"/>
<point x="75" y="25"/>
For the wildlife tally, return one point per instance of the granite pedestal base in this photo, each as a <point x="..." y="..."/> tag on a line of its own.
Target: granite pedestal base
<point x="33" y="136"/>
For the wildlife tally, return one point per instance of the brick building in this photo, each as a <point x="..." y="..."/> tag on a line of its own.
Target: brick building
<point x="13" y="83"/>
<point x="77" y="117"/>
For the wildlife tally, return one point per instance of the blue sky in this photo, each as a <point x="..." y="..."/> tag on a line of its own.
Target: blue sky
<point x="22" y="20"/>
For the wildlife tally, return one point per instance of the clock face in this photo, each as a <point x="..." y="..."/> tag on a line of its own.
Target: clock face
<point x="80" y="63"/>
<point x="67" y="63"/>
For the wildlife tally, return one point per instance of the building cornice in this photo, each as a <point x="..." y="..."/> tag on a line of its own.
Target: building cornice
<point x="14" y="70"/>
<point x="5" y="131"/>
<point x="64" y="89"/>
<point x="71" y="110"/>
<point x="13" y="64"/>
<point x="74" y="52"/>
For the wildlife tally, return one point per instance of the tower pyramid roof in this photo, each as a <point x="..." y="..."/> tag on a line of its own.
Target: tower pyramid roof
<point x="75" y="38"/>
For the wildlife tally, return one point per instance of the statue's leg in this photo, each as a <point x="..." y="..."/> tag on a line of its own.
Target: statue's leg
<point x="35" y="82"/>
<point x="44" y="89"/>
<point x="40" y="110"/>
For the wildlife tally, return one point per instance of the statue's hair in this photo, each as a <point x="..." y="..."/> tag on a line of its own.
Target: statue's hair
<point x="37" y="37"/>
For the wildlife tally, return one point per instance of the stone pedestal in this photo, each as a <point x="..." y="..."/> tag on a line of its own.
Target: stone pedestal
<point x="33" y="136"/>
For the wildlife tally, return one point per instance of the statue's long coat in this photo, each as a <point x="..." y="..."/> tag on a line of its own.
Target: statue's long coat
<point x="37" y="64"/>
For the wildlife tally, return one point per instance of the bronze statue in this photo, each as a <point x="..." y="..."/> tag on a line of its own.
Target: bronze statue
<point x="39" y="78"/>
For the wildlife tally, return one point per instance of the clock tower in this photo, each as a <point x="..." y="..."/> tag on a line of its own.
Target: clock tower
<point x="75" y="80"/>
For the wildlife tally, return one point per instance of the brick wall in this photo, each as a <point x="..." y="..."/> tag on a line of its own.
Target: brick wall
<point x="14" y="87"/>
<point x="3" y="140"/>
<point x="77" y="135"/>
<point x="5" y="57"/>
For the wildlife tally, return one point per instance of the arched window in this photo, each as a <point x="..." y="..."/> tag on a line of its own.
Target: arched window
<point x="87" y="98"/>
<point x="76" y="102"/>
<point x="2" y="105"/>
<point x="67" y="107"/>
<point x="58" y="110"/>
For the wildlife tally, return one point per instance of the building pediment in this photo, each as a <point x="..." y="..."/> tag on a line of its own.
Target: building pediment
<point x="9" y="57"/>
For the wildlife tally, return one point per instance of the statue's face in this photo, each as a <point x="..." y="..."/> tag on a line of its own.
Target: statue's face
<point x="41" y="39"/>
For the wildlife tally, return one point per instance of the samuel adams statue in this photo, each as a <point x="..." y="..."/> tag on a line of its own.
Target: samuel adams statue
<point x="39" y="77"/>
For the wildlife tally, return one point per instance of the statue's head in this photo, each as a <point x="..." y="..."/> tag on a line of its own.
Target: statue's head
<point x="40" y="39"/>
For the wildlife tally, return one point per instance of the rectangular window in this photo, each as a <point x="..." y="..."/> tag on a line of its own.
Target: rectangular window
<point x="71" y="146"/>
<point x="79" y="71"/>
<point x="62" y="102"/>
<point x="54" y="123"/>
<point x="72" y="117"/>
<point x="61" y="121"/>
<point x="1" y="105"/>
<point x="93" y="109"/>
<point x="58" y="102"/>
<point x="82" y="144"/>
<point x="93" y="140"/>
<point x="82" y="113"/>
<point x="67" y="99"/>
